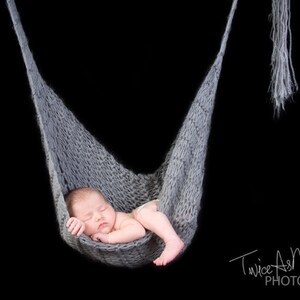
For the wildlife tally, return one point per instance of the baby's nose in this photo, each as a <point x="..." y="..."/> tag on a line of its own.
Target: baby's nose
<point x="98" y="215"/>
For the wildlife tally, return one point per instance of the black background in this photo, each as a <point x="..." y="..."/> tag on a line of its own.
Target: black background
<point x="129" y="72"/>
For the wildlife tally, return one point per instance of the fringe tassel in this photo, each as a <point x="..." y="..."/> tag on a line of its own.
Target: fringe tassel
<point x="283" y="81"/>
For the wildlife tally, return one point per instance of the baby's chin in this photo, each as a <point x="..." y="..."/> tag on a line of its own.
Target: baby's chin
<point x="104" y="229"/>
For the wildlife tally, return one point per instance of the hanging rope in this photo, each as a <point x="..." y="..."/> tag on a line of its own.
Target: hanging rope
<point x="283" y="81"/>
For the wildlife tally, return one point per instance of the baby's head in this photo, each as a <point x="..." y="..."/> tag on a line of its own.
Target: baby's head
<point x="90" y="206"/>
<point x="81" y="195"/>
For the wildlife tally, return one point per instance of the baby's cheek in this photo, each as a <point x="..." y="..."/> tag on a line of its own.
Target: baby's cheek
<point x="89" y="229"/>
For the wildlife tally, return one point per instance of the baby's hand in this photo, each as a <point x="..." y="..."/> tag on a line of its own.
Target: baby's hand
<point x="75" y="226"/>
<point x="101" y="237"/>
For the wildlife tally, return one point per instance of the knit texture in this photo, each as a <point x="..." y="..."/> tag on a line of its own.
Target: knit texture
<point x="76" y="159"/>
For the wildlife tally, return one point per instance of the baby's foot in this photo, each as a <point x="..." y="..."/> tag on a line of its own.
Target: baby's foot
<point x="172" y="249"/>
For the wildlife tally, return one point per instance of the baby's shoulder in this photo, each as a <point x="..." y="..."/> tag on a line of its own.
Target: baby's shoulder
<point x="122" y="217"/>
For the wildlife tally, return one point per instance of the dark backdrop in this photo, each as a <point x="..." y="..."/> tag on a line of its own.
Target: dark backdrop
<point x="129" y="72"/>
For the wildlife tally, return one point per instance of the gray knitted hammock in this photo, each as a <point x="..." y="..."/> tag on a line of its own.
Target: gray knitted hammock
<point x="76" y="159"/>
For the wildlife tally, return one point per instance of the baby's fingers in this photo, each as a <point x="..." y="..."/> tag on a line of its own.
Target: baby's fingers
<point x="75" y="230"/>
<point x="69" y="222"/>
<point x="95" y="238"/>
<point x="81" y="230"/>
<point x="75" y="227"/>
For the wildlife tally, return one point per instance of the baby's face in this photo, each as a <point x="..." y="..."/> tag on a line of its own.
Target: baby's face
<point x="96" y="213"/>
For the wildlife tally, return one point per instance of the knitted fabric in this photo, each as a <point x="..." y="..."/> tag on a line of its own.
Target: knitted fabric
<point x="76" y="159"/>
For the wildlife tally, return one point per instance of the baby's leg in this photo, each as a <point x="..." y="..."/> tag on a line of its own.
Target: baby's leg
<point x="157" y="222"/>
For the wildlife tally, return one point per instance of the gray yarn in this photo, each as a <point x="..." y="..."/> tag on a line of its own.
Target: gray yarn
<point x="283" y="80"/>
<point x="76" y="159"/>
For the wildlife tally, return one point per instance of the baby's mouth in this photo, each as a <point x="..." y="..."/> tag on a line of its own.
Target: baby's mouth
<point x="102" y="224"/>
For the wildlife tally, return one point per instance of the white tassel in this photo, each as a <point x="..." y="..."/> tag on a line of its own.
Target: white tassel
<point x="283" y="81"/>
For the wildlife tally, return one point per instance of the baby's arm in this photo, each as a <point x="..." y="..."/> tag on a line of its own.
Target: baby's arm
<point x="75" y="226"/>
<point x="129" y="231"/>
